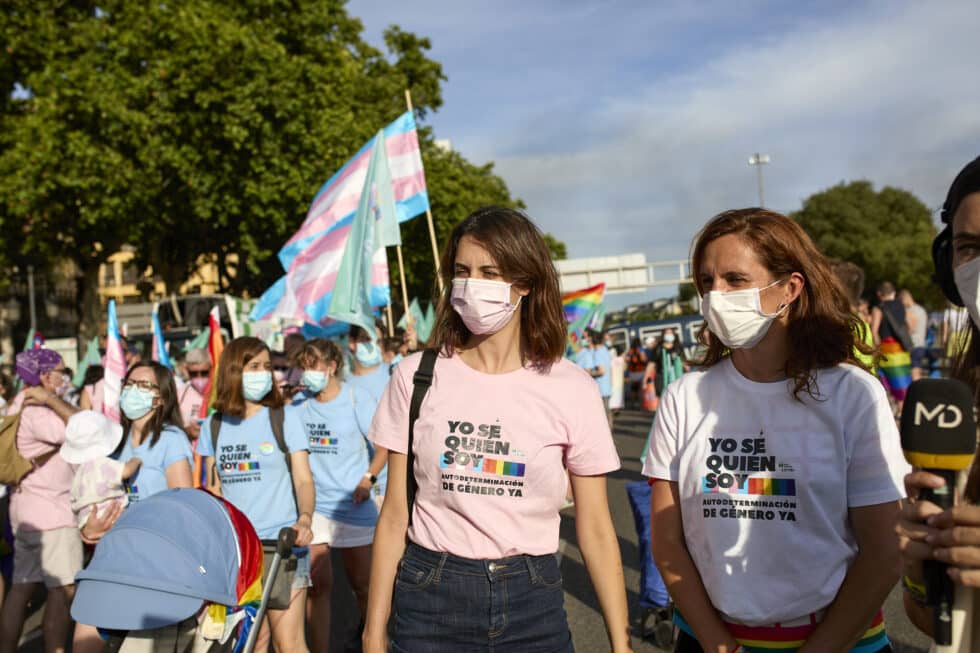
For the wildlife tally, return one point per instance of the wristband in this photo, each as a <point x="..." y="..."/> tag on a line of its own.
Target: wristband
<point x="371" y="477"/>
<point x="917" y="591"/>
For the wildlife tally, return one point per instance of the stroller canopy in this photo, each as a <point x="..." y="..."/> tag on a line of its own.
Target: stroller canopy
<point x="164" y="557"/>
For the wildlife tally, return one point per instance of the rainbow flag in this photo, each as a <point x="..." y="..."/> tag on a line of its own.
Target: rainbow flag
<point x="895" y="368"/>
<point x="248" y="587"/>
<point x="215" y="347"/>
<point x="580" y="305"/>
<point x="583" y="310"/>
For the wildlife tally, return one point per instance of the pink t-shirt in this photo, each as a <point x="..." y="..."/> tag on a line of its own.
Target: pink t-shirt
<point x="42" y="501"/>
<point x="190" y="402"/>
<point x="96" y="394"/>
<point x="491" y="452"/>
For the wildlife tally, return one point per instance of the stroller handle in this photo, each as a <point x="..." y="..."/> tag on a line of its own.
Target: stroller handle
<point x="287" y="540"/>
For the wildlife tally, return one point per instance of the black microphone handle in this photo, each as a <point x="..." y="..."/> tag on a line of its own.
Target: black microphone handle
<point x="939" y="586"/>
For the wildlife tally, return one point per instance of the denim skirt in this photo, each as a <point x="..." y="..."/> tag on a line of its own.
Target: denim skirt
<point x="444" y="603"/>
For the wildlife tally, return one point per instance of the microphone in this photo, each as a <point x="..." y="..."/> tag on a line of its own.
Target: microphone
<point x="939" y="435"/>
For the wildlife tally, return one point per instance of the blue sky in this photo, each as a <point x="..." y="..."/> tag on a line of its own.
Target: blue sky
<point x="625" y="126"/>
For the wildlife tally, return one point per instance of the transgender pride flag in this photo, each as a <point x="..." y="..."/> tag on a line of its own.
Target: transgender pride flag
<point x="312" y="256"/>
<point x="115" y="366"/>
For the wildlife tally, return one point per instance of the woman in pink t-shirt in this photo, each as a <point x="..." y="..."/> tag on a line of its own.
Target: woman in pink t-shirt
<point x="505" y="419"/>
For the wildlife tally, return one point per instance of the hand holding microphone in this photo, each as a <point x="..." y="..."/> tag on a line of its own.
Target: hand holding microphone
<point x="938" y="435"/>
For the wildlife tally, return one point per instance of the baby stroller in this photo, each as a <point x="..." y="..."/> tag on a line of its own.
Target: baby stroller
<point x="179" y="572"/>
<point x="656" y="609"/>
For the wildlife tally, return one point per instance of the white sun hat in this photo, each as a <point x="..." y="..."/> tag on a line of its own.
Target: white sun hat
<point x="89" y="435"/>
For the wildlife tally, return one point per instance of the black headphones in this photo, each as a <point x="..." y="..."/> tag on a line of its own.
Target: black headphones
<point x="942" y="260"/>
<point x="966" y="182"/>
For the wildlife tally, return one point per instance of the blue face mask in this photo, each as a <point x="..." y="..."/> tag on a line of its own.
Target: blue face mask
<point x="368" y="354"/>
<point x="256" y="385"/>
<point x="314" y="380"/>
<point x="396" y="359"/>
<point x="136" y="402"/>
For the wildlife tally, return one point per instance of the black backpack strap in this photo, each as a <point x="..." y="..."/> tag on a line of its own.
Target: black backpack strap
<point x="422" y="380"/>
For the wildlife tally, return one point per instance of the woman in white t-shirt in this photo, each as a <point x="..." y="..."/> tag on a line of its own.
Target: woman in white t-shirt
<point x="504" y="418"/>
<point x="776" y="468"/>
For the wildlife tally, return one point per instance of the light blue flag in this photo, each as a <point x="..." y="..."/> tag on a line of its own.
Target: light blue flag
<point x="430" y="322"/>
<point x="350" y="300"/>
<point x="91" y="358"/>
<point x="160" y="354"/>
<point x="416" y="312"/>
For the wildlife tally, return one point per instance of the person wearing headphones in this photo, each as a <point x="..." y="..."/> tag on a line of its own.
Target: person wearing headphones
<point x="926" y="532"/>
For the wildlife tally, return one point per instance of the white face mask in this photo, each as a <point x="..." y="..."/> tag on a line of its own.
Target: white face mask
<point x="736" y="317"/>
<point x="967" y="278"/>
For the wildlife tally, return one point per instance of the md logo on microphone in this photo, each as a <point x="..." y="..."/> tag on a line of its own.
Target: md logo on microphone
<point x="945" y="416"/>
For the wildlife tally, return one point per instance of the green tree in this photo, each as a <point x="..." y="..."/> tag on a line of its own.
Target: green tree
<point x="193" y="129"/>
<point x="185" y="128"/>
<point x="888" y="233"/>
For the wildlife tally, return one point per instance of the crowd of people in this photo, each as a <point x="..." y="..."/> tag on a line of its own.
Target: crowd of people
<point x="438" y="470"/>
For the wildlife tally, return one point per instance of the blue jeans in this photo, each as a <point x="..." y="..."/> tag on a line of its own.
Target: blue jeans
<point x="444" y="603"/>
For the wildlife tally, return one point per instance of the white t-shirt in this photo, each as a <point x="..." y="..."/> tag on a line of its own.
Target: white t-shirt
<point x="765" y="482"/>
<point x="918" y="334"/>
<point x="491" y="452"/>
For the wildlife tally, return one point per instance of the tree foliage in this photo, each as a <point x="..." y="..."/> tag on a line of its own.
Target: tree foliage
<point x="888" y="233"/>
<point x="200" y="128"/>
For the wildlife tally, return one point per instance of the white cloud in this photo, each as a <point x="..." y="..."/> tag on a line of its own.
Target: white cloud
<point x="884" y="96"/>
<point x="626" y="125"/>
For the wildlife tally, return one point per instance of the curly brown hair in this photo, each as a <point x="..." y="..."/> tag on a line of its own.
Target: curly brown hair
<point x="516" y="245"/>
<point x="822" y="329"/>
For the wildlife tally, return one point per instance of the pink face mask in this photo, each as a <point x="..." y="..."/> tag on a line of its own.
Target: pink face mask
<point x="484" y="305"/>
<point x="200" y="383"/>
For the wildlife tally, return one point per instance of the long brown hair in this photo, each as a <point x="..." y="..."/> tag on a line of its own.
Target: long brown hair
<point x="168" y="412"/>
<point x="822" y="329"/>
<point x="229" y="399"/>
<point x="516" y="245"/>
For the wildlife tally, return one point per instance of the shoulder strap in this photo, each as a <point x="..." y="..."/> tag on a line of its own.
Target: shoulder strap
<point x="277" y="417"/>
<point x="900" y="331"/>
<point x="422" y="380"/>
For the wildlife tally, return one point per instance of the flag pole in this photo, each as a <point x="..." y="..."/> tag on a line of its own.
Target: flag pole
<point x="401" y="271"/>
<point x="428" y="215"/>
<point x="391" y="328"/>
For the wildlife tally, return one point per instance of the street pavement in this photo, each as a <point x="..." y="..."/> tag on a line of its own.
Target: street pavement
<point x="584" y="616"/>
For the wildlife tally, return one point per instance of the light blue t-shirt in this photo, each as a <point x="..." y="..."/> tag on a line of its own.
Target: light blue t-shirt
<point x="603" y="359"/>
<point x="151" y="477"/>
<point x="253" y="471"/>
<point x="339" y="456"/>
<point x="588" y="358"/>
<point x="375" y="384"/>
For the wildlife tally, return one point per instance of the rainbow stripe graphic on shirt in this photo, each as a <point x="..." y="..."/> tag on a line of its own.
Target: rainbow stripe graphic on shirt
<point x="758" y="485"/>
<point x="787" y="639"/>
<point x="324" y="441"/>
<point x="489" y="466"/>
<point x="246" y="467"/>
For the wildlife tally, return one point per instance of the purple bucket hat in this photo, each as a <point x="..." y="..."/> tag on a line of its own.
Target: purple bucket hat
<point x="31" y="364"/>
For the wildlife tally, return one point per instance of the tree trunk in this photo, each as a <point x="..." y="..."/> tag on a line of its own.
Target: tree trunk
<point x="89" y="304"/>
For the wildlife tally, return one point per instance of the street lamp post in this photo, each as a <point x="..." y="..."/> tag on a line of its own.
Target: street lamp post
<point x="759" y="160"/>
